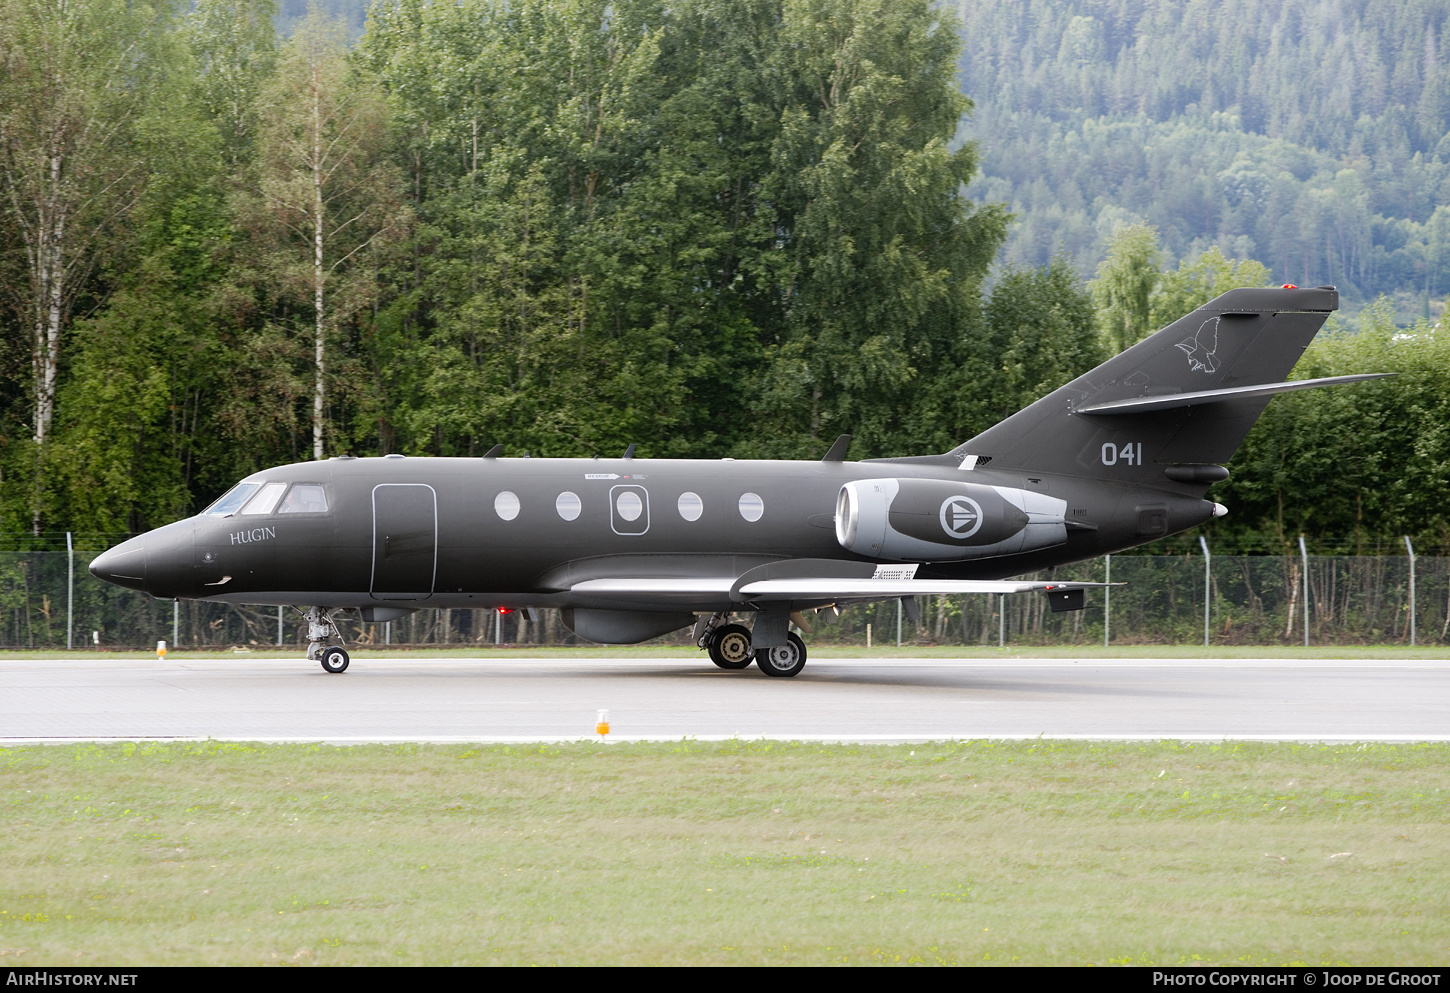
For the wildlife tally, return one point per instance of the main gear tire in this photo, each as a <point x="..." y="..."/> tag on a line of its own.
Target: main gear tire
<point x="730" y="647"/>
<point x="782" y="660"/>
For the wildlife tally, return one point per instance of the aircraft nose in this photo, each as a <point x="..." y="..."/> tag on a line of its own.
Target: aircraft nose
<point x="124" y="565"/>
<point x="157" y="562"/>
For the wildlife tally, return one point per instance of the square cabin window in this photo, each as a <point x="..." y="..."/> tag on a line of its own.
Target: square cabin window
<point x="231" y="500"/>
<point x="305" y="498"/>
<point x="264" y="501"/>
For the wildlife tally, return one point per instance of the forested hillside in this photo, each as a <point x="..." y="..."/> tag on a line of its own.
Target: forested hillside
<point x="706" y="228"/>
<point x="1310" y="135"/>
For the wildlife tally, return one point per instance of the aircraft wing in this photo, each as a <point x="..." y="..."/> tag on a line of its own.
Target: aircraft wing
<point x="670" y="589"/>
<point x="886" y="589"/>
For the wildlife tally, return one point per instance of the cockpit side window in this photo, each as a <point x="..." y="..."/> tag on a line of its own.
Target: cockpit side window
<point x="305" y="498"/>
<point x="264" y="501"/>
<point x="231" y="500"/>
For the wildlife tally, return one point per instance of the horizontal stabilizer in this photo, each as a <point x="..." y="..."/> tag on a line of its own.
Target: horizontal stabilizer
<point x="1168" y="401"/>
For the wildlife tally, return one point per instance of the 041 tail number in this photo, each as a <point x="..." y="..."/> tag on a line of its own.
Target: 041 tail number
<point x="1129" y="454"/>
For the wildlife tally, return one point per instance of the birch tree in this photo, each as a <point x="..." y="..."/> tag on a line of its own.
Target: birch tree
<point x="75" y="78"/>
<point x="326" y="196"/>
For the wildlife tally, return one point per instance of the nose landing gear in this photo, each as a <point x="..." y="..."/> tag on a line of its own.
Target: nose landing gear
<point x="334" y="659"/>
<point x="323" y="639"/>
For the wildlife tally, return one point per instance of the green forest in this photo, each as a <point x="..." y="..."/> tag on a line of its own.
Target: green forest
<point x="236" y="235"/>
<point x="1311" y="135"/>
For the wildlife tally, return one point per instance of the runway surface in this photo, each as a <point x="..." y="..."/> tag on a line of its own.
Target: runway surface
<point x="432" y="699"/>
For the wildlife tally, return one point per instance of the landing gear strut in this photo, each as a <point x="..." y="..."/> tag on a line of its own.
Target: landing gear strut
<point x="324" y="639"/>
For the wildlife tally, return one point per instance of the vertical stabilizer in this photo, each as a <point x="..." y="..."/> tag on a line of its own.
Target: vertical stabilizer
<point x="1243" y="339"/>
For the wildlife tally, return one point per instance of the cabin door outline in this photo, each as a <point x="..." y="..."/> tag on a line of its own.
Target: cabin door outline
<point x="405" y="541"/>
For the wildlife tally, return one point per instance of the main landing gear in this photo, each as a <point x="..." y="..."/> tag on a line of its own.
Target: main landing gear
<point x="783" y="660"/>
<point x="323" y="639"/>
<point x="730" y="647"/>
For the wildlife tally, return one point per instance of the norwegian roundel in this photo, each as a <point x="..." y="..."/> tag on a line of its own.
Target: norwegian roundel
<point x="961" y="516"/>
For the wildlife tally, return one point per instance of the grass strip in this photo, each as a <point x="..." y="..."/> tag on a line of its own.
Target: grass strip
<point x="742" y="852"/>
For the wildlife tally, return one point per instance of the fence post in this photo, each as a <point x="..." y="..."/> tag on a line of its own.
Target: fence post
<point x="1001" y="620"/>
<point x="1207" y="585"/>
<point x="1410" y="550"/>
<point x="175" y="622"/>
<point x="1107" y="595"/>
<point x="1304" y="558"/>
<point x="70" y="589"/>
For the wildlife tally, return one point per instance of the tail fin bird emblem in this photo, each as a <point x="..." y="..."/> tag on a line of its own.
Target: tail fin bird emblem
<point x="1201" y="347"/>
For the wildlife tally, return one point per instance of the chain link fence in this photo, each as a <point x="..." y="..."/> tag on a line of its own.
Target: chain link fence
<point x="48" y="600"/>
<point x="1183" y="599"/>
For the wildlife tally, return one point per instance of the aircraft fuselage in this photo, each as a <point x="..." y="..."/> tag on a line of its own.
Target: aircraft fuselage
<point x="439" y="532"/>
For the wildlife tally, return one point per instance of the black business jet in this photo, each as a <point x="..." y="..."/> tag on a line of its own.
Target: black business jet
<point x="630" y="549"/>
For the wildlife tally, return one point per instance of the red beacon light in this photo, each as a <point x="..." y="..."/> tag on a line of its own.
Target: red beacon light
<point x="1288" y="286"/>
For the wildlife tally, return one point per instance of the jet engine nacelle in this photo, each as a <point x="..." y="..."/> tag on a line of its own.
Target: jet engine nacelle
<point x="938" y="520"/>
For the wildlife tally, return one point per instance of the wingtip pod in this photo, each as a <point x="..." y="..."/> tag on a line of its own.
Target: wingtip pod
<point x="1315" y="299"/>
